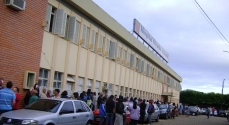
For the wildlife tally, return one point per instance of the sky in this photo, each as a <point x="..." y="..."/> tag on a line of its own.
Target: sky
<point x="194" y="46"/>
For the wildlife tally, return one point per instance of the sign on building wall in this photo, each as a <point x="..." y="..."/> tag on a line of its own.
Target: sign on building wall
<point x="144" y="34"/>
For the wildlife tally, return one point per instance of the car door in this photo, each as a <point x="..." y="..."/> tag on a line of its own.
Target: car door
<point x="81" y="114"/>
<point x="156" y="112"/>
<point x="66" y="114"/>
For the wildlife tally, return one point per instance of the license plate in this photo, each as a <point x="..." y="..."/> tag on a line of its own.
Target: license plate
<point x="221" y="114"/>
<point x="97" y="119"/>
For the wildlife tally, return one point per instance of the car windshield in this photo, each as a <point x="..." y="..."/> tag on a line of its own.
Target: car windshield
<point x="45" y="105"/>
<point x="162" y="106"/>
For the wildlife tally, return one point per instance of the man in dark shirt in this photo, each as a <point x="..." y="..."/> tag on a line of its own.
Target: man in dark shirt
<point x="99" y="100"/>
<point x="110" y="105"/>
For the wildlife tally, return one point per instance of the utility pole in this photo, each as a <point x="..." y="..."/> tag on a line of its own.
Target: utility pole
<point x="222" y="93"/>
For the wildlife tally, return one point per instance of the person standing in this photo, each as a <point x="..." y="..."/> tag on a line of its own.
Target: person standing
<point x="34" y="96"/>
<point x="208" y="112"/>
<point x="134" y="113"/>
<point x="110" y="105"/>
<point x="56" y="93"/>
<point x="37" y="88"/>
<point x="64" y="94"/>
<point x="48" y="94"/>
<point x="43" y="93"/>
<point x="119" y="111"/>
<point x="150" y="111"/>
<point x="27" y="97"/>
<point x="18" y="97"/>
<point x="142" y="111"/>
<point x="7" y="98"/>
<point x="99" y="100"/>
<point x="102" y="111"/>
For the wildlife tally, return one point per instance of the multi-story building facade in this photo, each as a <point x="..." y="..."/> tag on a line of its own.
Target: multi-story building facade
<point x="76" y="46"/>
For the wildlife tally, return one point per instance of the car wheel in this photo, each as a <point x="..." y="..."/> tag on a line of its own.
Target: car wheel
<point x="193" y="113"/>
<point x="89" y="123"/>
<point x="157" y="120"/>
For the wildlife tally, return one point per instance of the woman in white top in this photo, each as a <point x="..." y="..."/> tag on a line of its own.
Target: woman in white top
<point x="56" y="93"/>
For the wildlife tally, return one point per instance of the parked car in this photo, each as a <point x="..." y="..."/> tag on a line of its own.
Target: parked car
<point x="222" y="113"/>
<point x="203" y="111"/>
<point x="155" y="116"/>
<point x="193" y="110"/>
<point x="165" y="111"/>
<point x="50" y="112"/>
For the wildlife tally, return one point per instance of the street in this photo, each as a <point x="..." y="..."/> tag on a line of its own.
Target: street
<point x="193" y="120"/>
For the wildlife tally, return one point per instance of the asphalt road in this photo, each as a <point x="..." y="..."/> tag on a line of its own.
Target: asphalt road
<point x="193" y="120"/>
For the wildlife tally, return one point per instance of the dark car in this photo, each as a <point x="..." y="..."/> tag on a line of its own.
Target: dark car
<point x="222" y="113"/>
<point x="165" y="111"/>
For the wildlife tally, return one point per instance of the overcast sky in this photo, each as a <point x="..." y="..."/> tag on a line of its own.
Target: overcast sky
<point x="195" y="49"/>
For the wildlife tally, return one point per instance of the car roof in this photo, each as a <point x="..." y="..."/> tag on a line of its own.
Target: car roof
<point x="60" y="99"/>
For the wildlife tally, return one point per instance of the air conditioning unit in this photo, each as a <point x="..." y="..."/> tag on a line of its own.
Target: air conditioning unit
<point x="16" y="4"/>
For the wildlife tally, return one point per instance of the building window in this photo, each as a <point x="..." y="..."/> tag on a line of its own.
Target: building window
<point x="85" y="35"/>
<point x="93" y="40"/>
<point x="134" y="93"/>
<point x="50" y="13"/>
<point x="101" y="43"/>
<point x="130" y="92"/>
<point x="97" y="86"/>
<point x="110" y="86"/>
<point x="128" y="59"/>
<point x="121" y="90"/>
<point x="43" y="77"/>
<point x="80" y="84"/>
<point x="107" y="47"/>
<point x="158" y="75"/>
<point x="116" y="90"/>
<point x="126" y="91"/>
<point x="77" y="33"/>
<point x="89" y="84"/>
<point x="124" y="55"/>
<point x="57" y="80"/>
<point x="70" y="84"/>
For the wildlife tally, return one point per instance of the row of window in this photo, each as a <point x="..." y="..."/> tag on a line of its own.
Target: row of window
<point x="68" y="27"/>
<point x="70" y="84"/>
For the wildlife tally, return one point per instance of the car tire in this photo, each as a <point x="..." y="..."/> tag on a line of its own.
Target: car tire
<point x="89" y="123"/>
<point x="193" y="113"/>
<point x="157" y="120"/>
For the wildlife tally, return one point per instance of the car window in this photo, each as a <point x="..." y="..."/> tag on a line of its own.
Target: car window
<point x="45" y="105"/>
<point x="85" y="107"/>
<point x="67" y="107"/>
<point x="79" y="107"/>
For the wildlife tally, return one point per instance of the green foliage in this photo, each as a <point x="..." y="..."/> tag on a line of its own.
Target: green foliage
<point x="192" y="97"/>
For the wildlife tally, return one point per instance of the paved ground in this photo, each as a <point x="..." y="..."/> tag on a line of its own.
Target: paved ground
<point x="193" y="120"/>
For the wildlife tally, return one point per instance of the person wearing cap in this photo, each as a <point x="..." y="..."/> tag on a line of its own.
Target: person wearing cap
<point x="7" y="98"/>
<point x="119" y="109"/>
<point x="110" y="105"/>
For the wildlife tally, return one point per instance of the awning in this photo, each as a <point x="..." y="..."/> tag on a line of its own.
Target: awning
<point x="167" y="93"/>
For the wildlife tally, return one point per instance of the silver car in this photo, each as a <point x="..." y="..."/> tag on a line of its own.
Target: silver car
<point x="50" y="112"/>
<point x="155" y="116"/>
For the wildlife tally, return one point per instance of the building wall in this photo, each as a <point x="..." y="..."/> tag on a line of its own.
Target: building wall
<point x="21" y="41"/>
<point x="72" y="59"/>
